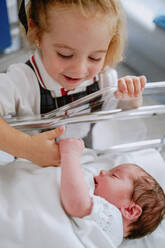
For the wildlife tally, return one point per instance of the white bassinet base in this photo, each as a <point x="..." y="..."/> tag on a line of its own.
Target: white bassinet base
<point x="37" y="219"/>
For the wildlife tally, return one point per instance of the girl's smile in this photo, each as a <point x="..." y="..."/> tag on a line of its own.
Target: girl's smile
<point x="72" y="80"/>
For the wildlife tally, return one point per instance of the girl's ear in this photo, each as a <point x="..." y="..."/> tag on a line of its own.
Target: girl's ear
<point x="132" y="212"/>
<point x="33" y="27"/>
<point x="31" y="23"/>
<point x="37" y="39"/>
<point x="37" y="42"/>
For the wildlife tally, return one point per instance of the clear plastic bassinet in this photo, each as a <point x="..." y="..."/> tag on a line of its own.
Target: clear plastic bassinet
<point x="110" y="127"/>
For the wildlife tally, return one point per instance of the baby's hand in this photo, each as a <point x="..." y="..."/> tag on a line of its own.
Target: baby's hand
<point x="71" y="146"/>
<point x="130" y="86"/>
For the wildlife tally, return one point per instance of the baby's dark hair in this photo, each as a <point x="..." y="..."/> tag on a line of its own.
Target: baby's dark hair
<point x="149" y="195"/>
<point x="38" y="14"/>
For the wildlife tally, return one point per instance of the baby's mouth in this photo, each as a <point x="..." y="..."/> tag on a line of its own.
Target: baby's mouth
<point x="95" y="180"/>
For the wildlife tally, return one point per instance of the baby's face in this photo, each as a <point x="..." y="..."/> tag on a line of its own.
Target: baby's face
<point x="116" y="185"/>
<point x="74" y="47"/>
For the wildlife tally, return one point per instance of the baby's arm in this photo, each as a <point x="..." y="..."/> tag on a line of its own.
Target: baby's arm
<point x="74" y="190"/>
<point x="40" y="148"/>
<point x="129" y="91"/>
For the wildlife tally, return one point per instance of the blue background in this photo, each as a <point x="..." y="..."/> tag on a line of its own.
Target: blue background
<point x="5" y="37"/>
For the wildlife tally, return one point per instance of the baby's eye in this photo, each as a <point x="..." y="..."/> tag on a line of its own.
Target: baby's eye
<point x="95" y="59"/>
<point x="115" y="175"/>
<point x="64" y="56"/>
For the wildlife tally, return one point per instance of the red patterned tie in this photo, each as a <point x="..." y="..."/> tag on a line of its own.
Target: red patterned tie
<point x="64" y="92"/>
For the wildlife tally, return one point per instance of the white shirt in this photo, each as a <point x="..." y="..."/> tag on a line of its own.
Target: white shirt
<point x="19" y="88"/>
<point x="104" y="226"/>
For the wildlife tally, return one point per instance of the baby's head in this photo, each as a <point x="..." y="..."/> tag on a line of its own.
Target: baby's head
<point x="136" y="194"/>
<point x="78" y="37"/>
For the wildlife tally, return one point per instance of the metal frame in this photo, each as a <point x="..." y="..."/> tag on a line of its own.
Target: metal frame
<point x="64" y="115"/>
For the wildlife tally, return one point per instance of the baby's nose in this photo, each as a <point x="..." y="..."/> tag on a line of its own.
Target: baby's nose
<point x="102" y="172"/>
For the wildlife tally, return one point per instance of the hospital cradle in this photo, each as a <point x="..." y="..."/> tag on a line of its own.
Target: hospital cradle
<point x="132" y="135"/>
<point x="80" y="112"/>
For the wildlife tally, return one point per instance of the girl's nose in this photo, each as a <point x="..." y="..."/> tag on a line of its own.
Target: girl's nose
<point x="80" y="68"/>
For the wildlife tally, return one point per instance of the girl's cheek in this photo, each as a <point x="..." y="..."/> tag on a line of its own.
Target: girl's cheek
<point x="59" y="66"/>
<point x="96" y="69"/>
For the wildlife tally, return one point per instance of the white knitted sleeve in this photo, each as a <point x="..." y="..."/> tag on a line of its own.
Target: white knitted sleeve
<point x="102" y="228"/>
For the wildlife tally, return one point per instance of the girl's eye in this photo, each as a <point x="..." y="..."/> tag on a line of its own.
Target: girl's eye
<point x="64" y="56"/>
<point x="94" y="59"/>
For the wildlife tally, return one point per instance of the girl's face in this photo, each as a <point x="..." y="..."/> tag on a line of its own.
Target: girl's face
<point x="116" y="185"/>
<point x="74" y="48"/>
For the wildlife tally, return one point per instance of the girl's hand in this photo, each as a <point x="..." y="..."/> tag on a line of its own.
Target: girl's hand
<point x="42" y="148"/>
<point x="130" y="86"/>
<point x="71" y="146"/>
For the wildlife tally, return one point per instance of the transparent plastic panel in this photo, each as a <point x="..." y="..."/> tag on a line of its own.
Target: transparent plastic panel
<point x="99" y="120"/>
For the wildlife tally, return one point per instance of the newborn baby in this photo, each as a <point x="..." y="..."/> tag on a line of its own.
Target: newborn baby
<point x="126" y="201"/>
<point x="48" y="207"/>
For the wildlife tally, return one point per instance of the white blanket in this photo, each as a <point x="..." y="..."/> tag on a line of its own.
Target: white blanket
<point x="31" y="215"/>
<point x="30" y="211"/>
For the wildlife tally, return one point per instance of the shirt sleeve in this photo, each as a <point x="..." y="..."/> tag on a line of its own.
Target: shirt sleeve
<point x="109" y="79"/>
<point x="7" y="95"/>
<point x="19" y="91"/>
<point x="103" y="227"/>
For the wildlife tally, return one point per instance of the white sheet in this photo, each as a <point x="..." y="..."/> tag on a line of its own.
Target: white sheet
<point x="31" y="215"/>
<point x="44" y="223"/>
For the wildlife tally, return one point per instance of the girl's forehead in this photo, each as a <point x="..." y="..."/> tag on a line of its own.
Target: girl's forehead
<point x="78" y="11"/>
<point x="70" y="18"/>
<point x="86" y="6"/>
<point x="64" y="25"/>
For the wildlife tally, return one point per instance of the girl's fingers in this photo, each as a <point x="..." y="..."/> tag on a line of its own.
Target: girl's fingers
<point x="137" y="86"/>
<point x="118" y="94"/>
<point x="130" y="86"/>
<point x="143" y="81"/>
<point x="122" y="87"/>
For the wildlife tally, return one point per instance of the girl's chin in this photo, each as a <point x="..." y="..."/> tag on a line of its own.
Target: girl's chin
<point x="69" y="86"/>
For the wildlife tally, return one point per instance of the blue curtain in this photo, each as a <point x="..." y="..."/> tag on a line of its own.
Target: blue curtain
<point x="5" y="38"/>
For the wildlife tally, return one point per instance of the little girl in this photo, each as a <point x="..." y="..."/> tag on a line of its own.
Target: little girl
<point x="75" y="43"/>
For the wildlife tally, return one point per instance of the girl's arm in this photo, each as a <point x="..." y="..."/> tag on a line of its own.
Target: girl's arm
<point x="40" y="148"/>
<point x="129" y="91"/>
<point x="74" y="190"/>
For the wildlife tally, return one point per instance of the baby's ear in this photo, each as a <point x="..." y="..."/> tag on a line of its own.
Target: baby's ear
<point x="132" y="212"/>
